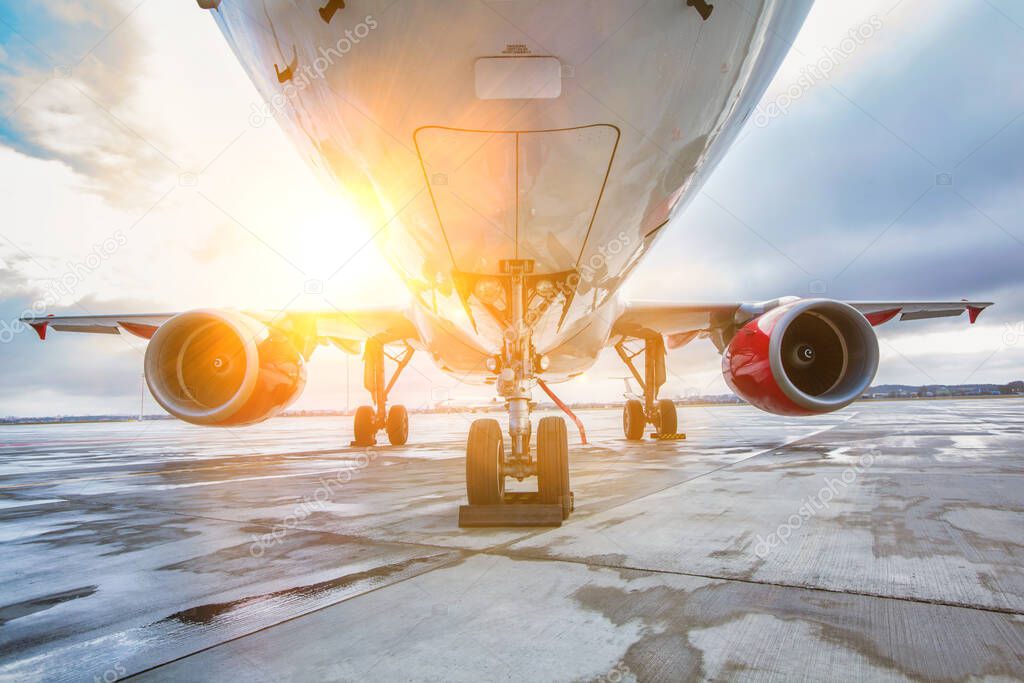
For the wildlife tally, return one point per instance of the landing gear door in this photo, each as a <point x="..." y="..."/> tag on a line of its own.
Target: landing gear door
<point x="502" y="195"/>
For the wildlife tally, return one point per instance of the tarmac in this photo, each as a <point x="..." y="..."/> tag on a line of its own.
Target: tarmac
<point x="884" y="542"/>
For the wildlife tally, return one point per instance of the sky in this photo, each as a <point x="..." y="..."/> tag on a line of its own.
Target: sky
<point x="136" y="179"/>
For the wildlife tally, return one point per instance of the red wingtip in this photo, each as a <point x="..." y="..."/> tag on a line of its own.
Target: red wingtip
<point x="879" y="317"/>
<point x="40" y="329"/>
<point x="973" y="312"/>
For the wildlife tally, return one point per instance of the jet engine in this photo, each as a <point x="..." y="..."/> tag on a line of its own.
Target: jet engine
<point x="223" y="369"/>
<point x="804" y="357"/>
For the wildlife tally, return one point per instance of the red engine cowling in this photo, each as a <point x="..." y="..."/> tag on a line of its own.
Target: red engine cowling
<point x="802" y="358"/>
<point x="222" y="369"/>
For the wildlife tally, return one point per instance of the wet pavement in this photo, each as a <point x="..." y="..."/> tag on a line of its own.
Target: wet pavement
<point x="885" y="542"/>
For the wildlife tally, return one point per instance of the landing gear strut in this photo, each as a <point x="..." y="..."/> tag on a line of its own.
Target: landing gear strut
<point x="661" y="413"/>
<point x="369" y="420"/>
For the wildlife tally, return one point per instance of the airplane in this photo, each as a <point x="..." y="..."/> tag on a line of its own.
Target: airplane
<point x="517" y="159"/>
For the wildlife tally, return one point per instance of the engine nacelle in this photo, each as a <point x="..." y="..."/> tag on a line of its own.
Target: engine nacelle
<point x="805" y="357"/>
<point x="223" y="369"/>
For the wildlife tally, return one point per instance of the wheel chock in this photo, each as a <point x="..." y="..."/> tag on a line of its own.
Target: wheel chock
<point x="510" y="515"/>
<point x="667" y="437"/>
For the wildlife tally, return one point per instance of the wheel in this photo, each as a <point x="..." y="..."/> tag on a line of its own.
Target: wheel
<point x="364" y="426"/>
<point x="485" y="454"/>
<point x="398" y="425"/>
<point x="633" y="420"/>
<point x="553" y="464"/>
<point x="668" y="422"/>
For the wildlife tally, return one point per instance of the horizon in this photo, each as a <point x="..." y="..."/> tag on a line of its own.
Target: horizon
<point x="682" y="401"/>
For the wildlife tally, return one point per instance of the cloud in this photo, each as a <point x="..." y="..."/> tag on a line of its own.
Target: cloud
<point x="98" y="14"/>
<point x="69" y="93"/>
<point x="13" y="282"/>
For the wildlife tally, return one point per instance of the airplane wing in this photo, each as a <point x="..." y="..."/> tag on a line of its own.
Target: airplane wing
<point x="680" y="323"/>
<point x="344" y="329"/>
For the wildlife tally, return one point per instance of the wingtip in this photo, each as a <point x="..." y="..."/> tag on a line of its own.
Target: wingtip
<point x="973" y="312"/>
<point x="40" y="326"/>
<point x="40" y="329"/>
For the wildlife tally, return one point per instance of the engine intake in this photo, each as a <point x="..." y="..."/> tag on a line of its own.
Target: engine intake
<point x="221" y="368"/>
<point x="805" y="357"/>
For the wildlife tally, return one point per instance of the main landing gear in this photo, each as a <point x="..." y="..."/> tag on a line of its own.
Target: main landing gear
<point x="661" y="413"/>
<point x="370" y="420"/>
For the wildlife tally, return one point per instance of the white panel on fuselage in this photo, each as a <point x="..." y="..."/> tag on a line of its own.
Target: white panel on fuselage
<point x="518" y="78"/>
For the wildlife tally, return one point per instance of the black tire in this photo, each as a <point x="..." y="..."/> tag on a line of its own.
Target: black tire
<point x="485" y="454"/>
<point x="633" y="420"/>
<point x="668" y="420"/>
<point x="553" y="464"/>
<point x="365" y="430"/>
<point x="398" y="425"/>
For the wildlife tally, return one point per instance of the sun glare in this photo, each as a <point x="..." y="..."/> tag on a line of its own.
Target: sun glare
<point x="328" y="236"/>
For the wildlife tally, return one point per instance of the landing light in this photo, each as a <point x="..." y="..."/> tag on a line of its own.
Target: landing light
<point x="488" y="291"/>
<point x="492" y="364"/>
<point x="546" y="288"/>
<point x="543" y="362"/>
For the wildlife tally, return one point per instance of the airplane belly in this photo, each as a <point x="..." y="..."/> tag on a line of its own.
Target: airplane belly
<point x="458" y="352"/>
<point x="469" y="134"/>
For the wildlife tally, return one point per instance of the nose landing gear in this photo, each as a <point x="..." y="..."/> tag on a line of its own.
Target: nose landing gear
<point x="487" y="466"/>
<point x="487" y="463"/>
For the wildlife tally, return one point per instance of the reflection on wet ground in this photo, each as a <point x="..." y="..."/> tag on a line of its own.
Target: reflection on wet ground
<point x="885" y="542"/>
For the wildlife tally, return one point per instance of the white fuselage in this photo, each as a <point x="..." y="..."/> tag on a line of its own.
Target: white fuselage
<point x="469" y="133"/>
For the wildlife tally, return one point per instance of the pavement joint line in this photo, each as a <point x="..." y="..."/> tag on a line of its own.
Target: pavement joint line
<point x="514" y="554"/>
<point x="226" y="520"/>
<point x="460" y="556"/>
<point x="125" y="475"/>
<point x="693" y="478"/>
